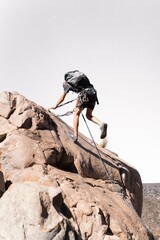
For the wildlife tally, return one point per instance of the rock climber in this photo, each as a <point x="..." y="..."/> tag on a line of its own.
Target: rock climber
<point x="78" y="82"/>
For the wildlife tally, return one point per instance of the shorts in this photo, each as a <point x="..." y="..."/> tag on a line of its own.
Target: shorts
<point x="88" y="98"/>
<point x="88" y="105"/>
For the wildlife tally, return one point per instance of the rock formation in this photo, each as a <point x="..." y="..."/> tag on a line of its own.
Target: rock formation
<point x="51" y="188"/>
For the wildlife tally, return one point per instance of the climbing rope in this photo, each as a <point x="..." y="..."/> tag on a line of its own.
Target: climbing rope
<point x="66" y="114"/>
<point x="71" y="112"/>
<point x="66" y="103"/>
<point x="95" y="145"/>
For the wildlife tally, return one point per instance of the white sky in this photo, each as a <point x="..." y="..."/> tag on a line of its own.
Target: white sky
<point x="115" y="42"/>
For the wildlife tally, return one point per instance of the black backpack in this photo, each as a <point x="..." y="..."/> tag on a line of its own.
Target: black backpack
<point x="77" y="80"/>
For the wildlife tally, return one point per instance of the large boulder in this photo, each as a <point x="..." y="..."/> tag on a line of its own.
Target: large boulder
<point x="28" y="211"/>
<point x="52" y="188"/>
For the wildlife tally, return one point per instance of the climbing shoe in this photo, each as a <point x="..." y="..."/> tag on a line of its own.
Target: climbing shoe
<point x="73" y="138"/>
<point x="103" y="130"/>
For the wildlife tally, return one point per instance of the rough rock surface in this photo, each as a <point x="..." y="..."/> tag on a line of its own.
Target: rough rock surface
<point x="51" y="188"/>
<point x="151" y="207"/>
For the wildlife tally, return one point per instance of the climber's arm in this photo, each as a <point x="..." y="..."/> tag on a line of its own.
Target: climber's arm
<point x="60" y="100"/>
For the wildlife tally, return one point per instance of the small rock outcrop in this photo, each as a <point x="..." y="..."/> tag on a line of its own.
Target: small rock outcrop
<point x="51" y="188"/>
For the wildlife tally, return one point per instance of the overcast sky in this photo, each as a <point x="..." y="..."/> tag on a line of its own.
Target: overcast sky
<point x="115" y="42"/>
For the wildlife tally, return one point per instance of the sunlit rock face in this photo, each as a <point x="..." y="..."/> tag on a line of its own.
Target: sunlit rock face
<point x="52" y="188"/>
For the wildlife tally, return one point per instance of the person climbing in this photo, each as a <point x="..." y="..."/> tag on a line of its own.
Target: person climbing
<point x="78" y="82"/>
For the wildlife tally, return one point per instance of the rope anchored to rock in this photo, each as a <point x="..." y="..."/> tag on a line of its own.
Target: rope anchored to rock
<point x="71" y="112"/>
<point x="99" y="155"/>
